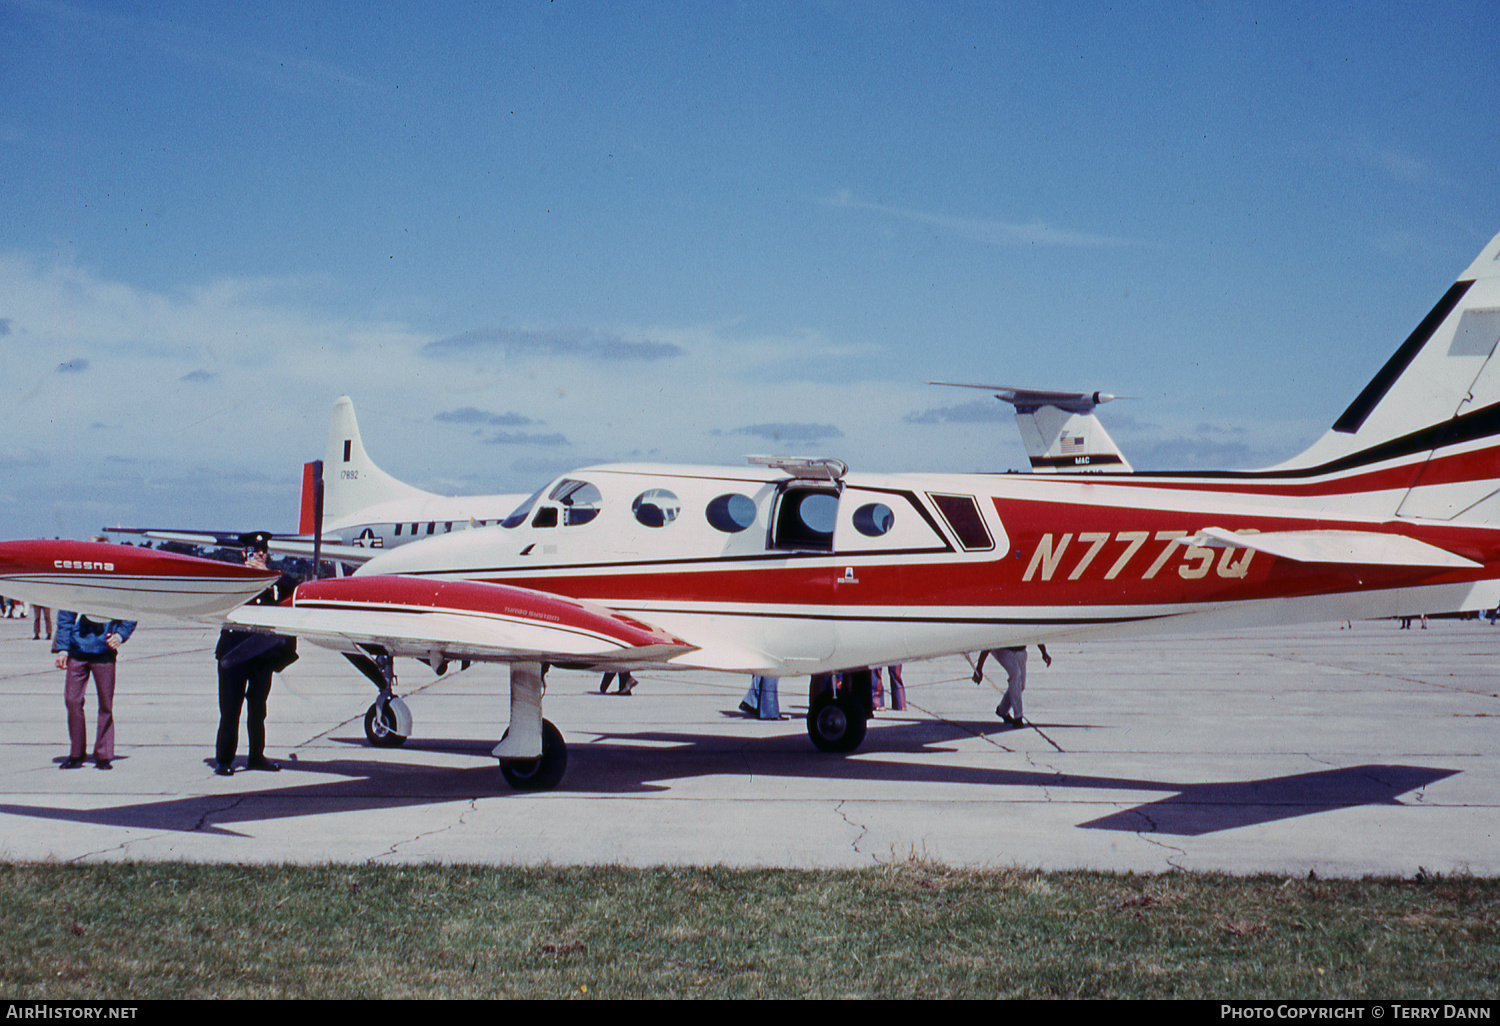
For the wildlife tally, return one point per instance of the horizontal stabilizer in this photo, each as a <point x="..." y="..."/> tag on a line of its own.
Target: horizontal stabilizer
<point x="185" y="536"/>
<point x="1059" y="429"/>
<point x="413" y="616"/>
<point x="1369" y="548"/>
<point x="330" y="553"/>
<point x="1069" y="402"/>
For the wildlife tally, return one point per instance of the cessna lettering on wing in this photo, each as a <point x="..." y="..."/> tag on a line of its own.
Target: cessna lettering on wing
<point x="79" y="564"/>
<point x="1050" y="552"/>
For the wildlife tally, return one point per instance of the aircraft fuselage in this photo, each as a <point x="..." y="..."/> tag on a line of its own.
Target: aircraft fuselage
<point x="793" y="576"/>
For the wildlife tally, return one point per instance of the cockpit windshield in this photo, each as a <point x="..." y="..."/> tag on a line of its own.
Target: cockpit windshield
<point x="520" y="513"/>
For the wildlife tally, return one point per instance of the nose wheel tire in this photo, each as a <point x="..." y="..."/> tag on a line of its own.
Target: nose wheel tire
<point x="381" y="727"/>
<point x="539" y="774"/>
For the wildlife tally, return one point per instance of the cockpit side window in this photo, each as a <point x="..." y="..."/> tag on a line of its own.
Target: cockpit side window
<point x="966" y="521"/>
<point x="579" y="499"/>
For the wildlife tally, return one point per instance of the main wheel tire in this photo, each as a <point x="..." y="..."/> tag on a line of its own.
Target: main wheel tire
<point x="380" y="727"/>
<point x="539" y="774"/>
<point x="836" y="724"/>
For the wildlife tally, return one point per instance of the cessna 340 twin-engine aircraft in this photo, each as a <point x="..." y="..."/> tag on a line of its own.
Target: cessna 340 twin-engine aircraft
<point x="790" y="567"/>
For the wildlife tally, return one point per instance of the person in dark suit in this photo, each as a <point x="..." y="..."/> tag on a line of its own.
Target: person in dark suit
<point x="246" y="662"/>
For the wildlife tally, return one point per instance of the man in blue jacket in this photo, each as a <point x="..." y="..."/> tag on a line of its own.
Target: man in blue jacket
<point x="87" y="648"/>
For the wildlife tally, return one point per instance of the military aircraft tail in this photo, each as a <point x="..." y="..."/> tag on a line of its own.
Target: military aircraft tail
<point x="1424" y="434"/>
<point x="1059" y="429"/>
<point x="351" y="480"/>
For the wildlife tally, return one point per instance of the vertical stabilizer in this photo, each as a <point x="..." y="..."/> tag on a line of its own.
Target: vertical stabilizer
<point x="1427" y="426"/>
<point x="1059" y="429"/>
<point x="351" y="479"/>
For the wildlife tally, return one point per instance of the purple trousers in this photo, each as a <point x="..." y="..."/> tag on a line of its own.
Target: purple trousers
<point x="103" y="671"/>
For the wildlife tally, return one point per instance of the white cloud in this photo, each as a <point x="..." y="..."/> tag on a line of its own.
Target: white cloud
<point x="986" y="230"/>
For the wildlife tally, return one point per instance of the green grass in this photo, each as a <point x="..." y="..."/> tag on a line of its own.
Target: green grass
<point x="139" y="931"/>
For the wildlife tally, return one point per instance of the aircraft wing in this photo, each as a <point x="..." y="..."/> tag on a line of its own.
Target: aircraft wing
<point x="405" y="615"/>
<point x="1366" y="548"/>
<point x="282" y="545"/>
<point x="126" y="582"/>
<point x="455" y="620"/>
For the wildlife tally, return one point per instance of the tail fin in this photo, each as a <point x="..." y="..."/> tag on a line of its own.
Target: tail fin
<point x="1061" y="433"/>
<point x="1426" y="429"/>
<point x="1059" y="429"/>
<point x="312" y="502"/>
<point x="351" y="479"/>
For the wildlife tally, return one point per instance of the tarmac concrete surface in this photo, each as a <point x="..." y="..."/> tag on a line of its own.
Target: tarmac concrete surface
<point x="1345" y="752"/>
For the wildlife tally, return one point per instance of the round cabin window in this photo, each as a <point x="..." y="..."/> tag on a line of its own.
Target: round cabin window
<point x="731" y="513"/>
<point x="656" y="507"/>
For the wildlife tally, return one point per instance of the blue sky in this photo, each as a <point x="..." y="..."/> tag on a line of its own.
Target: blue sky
<point x="531" y="235"/>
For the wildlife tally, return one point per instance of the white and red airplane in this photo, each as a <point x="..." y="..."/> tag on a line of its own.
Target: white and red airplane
<point x="790" y="567"/>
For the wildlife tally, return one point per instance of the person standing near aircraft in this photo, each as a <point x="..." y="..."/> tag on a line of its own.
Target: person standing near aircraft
<point x="1014" y="661"/>
<point x="246" y="662"/>
<point x="762" y="700"/>
<point x="87" y="648"/>
<point x="38" y="614"/>
<point x="627" y="683"/>
<point x="898" y="687"/>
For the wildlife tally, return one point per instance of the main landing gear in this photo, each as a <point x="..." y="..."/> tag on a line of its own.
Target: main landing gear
<point x="838" y="717"/>
<point x="533" y="755"/>
<point x="540" y="774"/>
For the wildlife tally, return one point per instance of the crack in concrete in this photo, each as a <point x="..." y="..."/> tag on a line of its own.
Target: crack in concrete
<point x="861" y="827"/>
<point x="1298" y="660"/>
<point x="123" y="846"/>
<point x="203" y="819"/>
<point x="1173" y="852"/>
<point x="471" y="806"/>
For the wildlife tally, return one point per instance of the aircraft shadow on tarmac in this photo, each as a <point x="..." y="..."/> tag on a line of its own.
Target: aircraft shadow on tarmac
<point x="641" y="763"/>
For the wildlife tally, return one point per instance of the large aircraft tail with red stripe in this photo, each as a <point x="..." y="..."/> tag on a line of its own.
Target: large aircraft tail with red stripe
<point x="1422" y="439"/>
